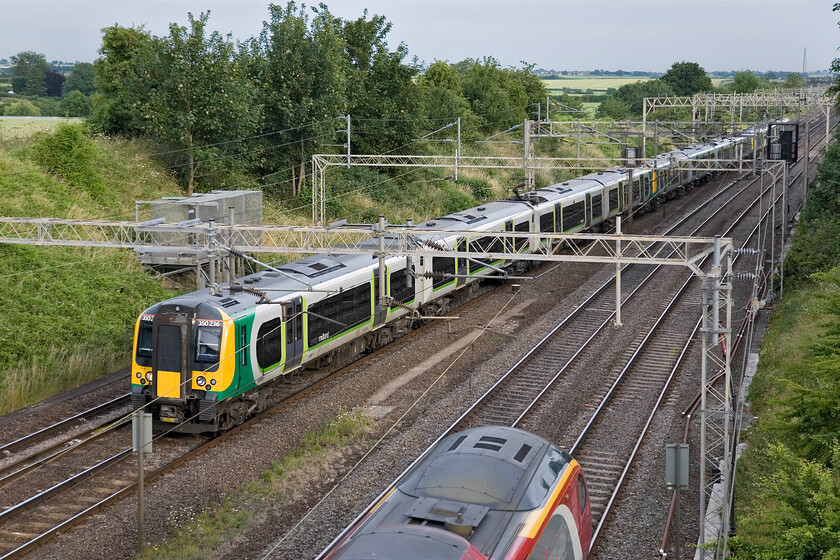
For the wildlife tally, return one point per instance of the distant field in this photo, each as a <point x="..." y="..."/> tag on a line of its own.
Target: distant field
<point x="595" y="83"/>
<point x="601" y="84"/>
<point x="21" y="127"/>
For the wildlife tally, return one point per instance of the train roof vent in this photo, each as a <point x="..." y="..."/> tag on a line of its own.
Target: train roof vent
<point x="522" y="453"/>
<point x="458" y="442"/>
<point x="491" y="443"/>
<point x="271" y="274"/>
<point x="312" y="268"/>
<point x="228" y="302"/>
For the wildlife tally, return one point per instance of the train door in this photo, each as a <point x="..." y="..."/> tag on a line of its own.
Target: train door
<point x="461" y="266"/>
<point x="509" y="241"/>
<point x="379" y="312"/>
<point x="587" y="209"/>
<point x="171" y="335"/>
<point x="293" y="316"/>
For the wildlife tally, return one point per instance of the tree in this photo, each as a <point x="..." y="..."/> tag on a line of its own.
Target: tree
<point x="198" y="95"/>
<point x="119" y="80"/>
<point x="794" y="80"/>
<point x="76" y="104"/>
<point x="687" y="78"/>
<point x="500" y="97"/>
<point x="81" y="79"/>
<point x="744" y="82"/>
<point x="441" y="74"/>
<point x="53" y="82"/>
<point x="301" y="70"/>
<point x="634" y="94"/>
<point x="28" y="72"/>
<point x="381" y="90"/>
<point x="613" y="108"/>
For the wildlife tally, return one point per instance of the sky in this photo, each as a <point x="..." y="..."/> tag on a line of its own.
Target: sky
<point x="647" y="35"/>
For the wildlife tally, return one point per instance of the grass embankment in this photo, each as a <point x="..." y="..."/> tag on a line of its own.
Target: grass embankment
<point x="214" y="531"/>
<point x="68" y="312"/>
<point x="788" y="480"/>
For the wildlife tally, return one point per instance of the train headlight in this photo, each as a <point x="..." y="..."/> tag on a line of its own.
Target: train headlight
<point x="149" y="376"/>
<point x="212" y="382"/>
<point x="139" y="375"/>
<point x="200" y="381"/>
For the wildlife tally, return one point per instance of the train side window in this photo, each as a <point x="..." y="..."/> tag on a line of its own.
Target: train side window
<point x="444" y="266"/>
<point x="573" y="215"/>
<point x="243" y="343"/>
<point x="582" y="493"/>
<point x="547" y="222"/>
<point x="597" y="206"/>
<point x="613" y="198"/>
<point x="401" y="289"/>
<point x="488" y="245"/>
<point x="270" y="343"/>
<point x="521" y="241"/>
<point x="339" y="313"/>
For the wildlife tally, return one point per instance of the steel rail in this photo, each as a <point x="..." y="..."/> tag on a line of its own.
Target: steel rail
<point x="27" y="439"/>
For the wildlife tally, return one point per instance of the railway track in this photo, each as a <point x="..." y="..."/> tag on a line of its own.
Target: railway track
<point x="518" y="392"/>
<point x="646" y="377"/>
<point x="745" y="328"/>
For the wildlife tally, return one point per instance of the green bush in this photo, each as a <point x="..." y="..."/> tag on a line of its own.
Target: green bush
<point x="49" y="107"/>
<point x="70" y="153"/>
<point x="22" y="109"/>
<point x="76" y="104"/>
<point x="480" y="188"/>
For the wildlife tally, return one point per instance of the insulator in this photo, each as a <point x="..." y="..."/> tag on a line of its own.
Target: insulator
<point x="258" y="293"/>
<point x="746" y="251"/>
<point x="434" y="275"/>
<point x="742" y="276"/>
<point x="236" y="288"/>
<point x="434" y="245"/>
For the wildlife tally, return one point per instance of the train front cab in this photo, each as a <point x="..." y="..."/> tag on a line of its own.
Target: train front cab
<point x="563" y="528"/>
<point x="183" y="361"/>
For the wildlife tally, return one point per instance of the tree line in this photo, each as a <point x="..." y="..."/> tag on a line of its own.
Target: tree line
<point x="683" y="79"/>
<point x="47" y="91"/>
<point x="224" y="112"/>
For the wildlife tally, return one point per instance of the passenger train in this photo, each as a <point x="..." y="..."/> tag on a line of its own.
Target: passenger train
<point x="487" y="493"/>
<point x="205" y="361"/>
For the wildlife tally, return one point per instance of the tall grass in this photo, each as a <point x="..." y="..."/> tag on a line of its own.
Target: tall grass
<point x="52" y="372"/>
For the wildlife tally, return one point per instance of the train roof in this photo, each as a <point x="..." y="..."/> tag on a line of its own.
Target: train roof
<point x="286" y="279"/>
<point x="474" y="218"/>
<point x="490" y="466"/>
<point x="405" y="542"/>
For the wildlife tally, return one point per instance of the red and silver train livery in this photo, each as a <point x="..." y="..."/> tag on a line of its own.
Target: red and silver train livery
<point x="487" y="493"/>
